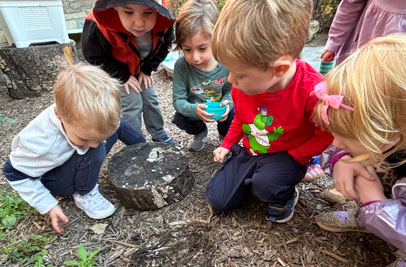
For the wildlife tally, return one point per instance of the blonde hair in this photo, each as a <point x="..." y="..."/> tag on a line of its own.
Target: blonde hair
<point x="87" y="94"/>
<point x="195" y="16"/>
<point x="373" y="81"/>
<point x="258" y="32"/>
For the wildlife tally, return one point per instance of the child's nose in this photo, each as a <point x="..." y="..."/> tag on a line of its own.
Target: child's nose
<point x="196" y="56"/>
<point x="93" y="144"/>
<point x="138" y="20"/>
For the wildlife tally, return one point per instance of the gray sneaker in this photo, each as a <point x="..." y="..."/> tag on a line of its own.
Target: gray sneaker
<point x="198" y="141"/>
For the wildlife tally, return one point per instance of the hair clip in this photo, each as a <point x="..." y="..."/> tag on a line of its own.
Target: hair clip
<point x="334" y="101"/>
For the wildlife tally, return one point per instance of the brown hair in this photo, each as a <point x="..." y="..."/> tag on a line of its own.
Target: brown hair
<point x="258" y="32"/>
<point x="195" y="16"/>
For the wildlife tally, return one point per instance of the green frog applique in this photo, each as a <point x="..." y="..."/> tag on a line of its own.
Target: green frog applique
<point x="259" y="138"/>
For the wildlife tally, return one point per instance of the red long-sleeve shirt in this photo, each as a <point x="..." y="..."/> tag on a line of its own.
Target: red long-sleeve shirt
<point x="281" y="121"/>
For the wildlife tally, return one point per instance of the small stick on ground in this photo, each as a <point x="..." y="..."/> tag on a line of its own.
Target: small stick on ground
<point x="211" y="213"/>
<point x="129" y="261"/>
<point x="331" y="254"/>
<point x="281" y="262"/>
<point x="120" y="243"/>
<point x="287" y="249"/>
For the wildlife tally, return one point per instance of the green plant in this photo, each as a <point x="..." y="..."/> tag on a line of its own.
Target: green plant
<point x="85" y="260"/>
<point x="220" y="3"/>
<point x="39" y="262"/>
<point x="12" y="208"/>
<point x="28" y="251"/>
<point x="6" y="119"/>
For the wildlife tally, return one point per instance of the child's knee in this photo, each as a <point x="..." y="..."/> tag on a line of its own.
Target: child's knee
<point x="95" y="155"/>
<point x="216" y="200"/>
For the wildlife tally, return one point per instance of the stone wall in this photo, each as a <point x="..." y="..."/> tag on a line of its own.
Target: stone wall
<point x="75" y="12"/>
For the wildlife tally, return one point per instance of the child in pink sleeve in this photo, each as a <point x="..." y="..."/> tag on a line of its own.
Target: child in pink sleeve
<point x="358" y="21"/>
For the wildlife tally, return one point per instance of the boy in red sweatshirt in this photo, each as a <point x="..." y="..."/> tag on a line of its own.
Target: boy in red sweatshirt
<point x="259" y="41"/>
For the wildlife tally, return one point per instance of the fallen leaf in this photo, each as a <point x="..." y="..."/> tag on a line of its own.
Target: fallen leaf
<point x="99" y="228"/>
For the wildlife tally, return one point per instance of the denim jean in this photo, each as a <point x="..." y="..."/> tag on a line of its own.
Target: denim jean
<point x="270" y="177"/>
<point x="81" y="172"/>
<point x="195" y="126"/>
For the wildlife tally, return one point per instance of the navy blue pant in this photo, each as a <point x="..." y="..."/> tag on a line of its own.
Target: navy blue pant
<point x="270" y="177"/>
<point x="195" y="126"/>
<point x="81" y="172"/>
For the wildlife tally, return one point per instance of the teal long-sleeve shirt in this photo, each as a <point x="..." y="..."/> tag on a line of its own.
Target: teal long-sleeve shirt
<point x="192" y="86"/>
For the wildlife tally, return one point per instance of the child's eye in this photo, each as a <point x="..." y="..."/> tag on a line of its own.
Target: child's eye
<point x="203" y="48"/>
<point x="149" y="12"/>
<point x="186" y="50"/>
<point x="128" y="12"/>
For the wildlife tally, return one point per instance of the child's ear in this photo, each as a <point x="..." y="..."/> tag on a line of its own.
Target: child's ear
<point x="282" y="65"/>
<point x="56" y="114"/>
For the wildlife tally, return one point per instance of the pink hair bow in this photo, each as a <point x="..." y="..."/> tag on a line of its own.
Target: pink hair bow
<point x="334" y="101"/>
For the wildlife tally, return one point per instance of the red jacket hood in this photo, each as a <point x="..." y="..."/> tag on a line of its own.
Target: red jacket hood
<point x="106" y="16"/>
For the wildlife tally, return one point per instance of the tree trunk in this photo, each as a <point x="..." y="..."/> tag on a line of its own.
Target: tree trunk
<point x="324" y="12"/>
<point x="149" y="176"/>
<point x="31" y="70"/>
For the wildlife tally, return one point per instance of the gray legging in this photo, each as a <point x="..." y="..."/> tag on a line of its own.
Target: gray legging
<point x="145" y="103"/>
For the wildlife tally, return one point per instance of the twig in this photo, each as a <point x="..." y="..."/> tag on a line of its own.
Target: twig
<point x="129" y="261"/>
<point x="211" y="213"/>
<point x="293" y="240"/>
<point x="331" y="254"/>
<point x="120" y="243"/>
<point x="281" y="262"/>
<point x="287" y="249"/>
<point x="37" y="225"/>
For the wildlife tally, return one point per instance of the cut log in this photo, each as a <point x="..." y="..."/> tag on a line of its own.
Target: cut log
<point x="31" y="70"/>
<point x="149" y="176"/>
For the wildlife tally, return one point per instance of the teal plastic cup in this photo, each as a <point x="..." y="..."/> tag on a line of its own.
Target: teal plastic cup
<point x="325" y="67"/>
<point x="214" y="108"/>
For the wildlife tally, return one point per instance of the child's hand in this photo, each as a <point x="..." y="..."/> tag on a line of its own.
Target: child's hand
<point x="369" y="190"/>
<point x="134" y="84"/>
<point x="225" y="115"/>
<point x="202" y="114"/>
<point x="344" y="174"/>
<point x="327" y="55"/>
<point x="146" y="79"/>
<point x="220" y="153"/>
<point x="56" y="214"/>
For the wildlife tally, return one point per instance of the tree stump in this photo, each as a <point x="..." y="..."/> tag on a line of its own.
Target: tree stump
<point x="31" y="70"/>
<point x="149" y="176"/>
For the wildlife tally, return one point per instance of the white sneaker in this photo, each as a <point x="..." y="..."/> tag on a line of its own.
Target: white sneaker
<point x="94" y="204"/>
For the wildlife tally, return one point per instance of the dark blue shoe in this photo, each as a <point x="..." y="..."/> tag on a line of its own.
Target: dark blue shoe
<point x="165" y="139"/>
<point x="282" y="213"/>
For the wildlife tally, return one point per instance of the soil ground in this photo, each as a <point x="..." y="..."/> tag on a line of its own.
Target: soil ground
<point x="189" y="232"/>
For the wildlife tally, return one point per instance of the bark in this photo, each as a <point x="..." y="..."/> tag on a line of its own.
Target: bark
<point x="149" y="176"/>
<point x="31" y="70"/>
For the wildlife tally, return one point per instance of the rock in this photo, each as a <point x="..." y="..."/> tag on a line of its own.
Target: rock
<point x="314" y="28"/>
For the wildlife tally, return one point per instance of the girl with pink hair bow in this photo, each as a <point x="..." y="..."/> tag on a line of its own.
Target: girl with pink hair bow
<point x="363" y="104"/>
